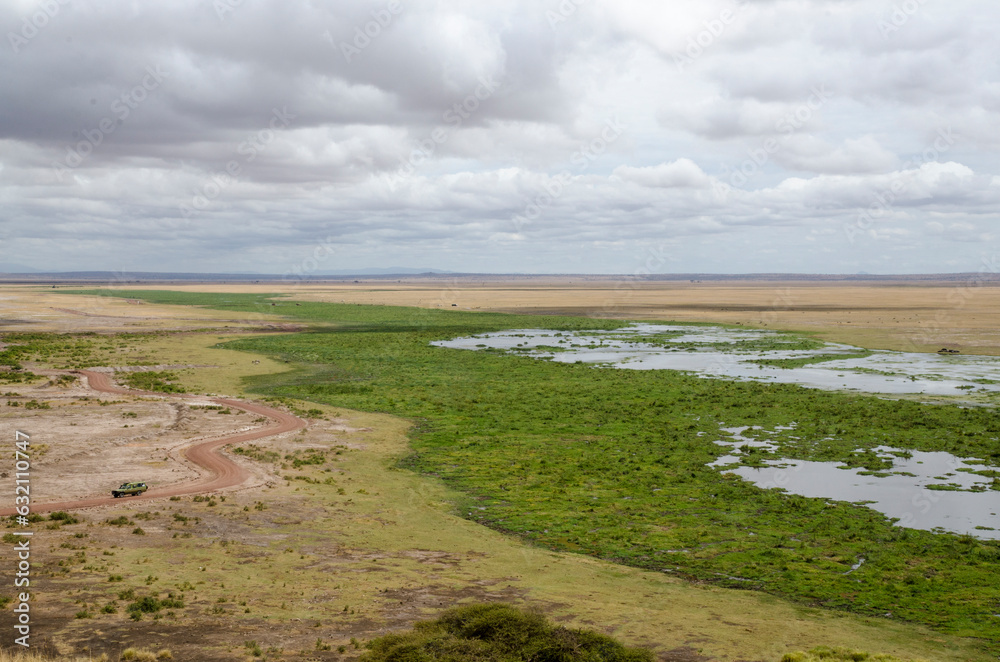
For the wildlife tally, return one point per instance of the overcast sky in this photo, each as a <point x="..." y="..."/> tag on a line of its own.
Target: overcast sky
<point x="543" y="136"/>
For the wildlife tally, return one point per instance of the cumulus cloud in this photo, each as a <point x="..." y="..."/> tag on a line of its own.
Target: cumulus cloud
<point x="682" y="173"/>
<point x="731" y="135"/>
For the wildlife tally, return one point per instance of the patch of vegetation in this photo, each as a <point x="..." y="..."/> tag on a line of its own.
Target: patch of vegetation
<point x="151" y="604"/>
<point x="144" y="655"/>
<point x="868" y="459"/>
<point x="311" y="457"/>
<point x="67" y="351"/>
<point x="613" y="463"/>
<point x="17" y="377"/>
<point x="809" y="360"/>
<point x="63" y="517"/>
<point x="495" y="633"/>
<point x="255" y="452"/>
<point x="160" y="382"/>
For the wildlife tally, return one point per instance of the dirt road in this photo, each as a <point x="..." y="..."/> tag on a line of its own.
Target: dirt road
<point x="221" y="471"/>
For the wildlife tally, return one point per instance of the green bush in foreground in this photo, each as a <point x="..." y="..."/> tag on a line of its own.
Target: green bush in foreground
<point x="498" y="633"/>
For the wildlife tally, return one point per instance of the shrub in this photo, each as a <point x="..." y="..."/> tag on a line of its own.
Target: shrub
<point x="150" y="604"/>
<point x="153" y="381"/>
<point x="64" y="517"/>
<point x="487" y="632"/>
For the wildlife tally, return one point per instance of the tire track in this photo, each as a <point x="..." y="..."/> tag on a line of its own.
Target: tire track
<point x="222" y="472"/>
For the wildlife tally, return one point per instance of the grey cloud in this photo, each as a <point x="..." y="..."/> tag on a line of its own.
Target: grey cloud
<point x="453" y="119"/>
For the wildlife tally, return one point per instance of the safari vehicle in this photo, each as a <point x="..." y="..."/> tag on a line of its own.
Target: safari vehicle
<point x="129" y="489"/>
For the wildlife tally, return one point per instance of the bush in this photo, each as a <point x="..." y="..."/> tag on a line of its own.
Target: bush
<point x="151" y="604"/>
<point x="153" y="381"/>
<point x="64" y="517"/>
<point x="488" y="632"/>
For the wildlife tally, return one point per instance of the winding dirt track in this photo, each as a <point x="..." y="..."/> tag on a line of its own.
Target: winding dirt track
<point x="222" y="471"/>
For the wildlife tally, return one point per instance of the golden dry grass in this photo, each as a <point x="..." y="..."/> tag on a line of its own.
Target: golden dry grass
<point x="42" y="309"/>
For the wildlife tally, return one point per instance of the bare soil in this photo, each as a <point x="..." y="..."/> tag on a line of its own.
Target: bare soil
<point x="171" y="441"/>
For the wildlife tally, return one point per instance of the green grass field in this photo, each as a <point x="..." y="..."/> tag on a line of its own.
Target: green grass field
<point x="610" y="463"/>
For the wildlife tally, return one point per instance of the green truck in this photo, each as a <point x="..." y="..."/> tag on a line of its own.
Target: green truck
<point x="129" y="489"/>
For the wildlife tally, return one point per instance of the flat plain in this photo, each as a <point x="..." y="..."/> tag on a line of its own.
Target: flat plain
<point x="964" y="315"/>
<point x="356" y="538"/>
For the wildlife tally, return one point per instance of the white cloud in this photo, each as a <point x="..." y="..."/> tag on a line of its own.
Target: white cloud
<point x="780" y="126"/>
<point x="682" y="173"/>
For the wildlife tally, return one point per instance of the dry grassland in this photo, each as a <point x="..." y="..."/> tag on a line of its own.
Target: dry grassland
<point x="310" y="557"/>
<point x="912" y="317"/>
